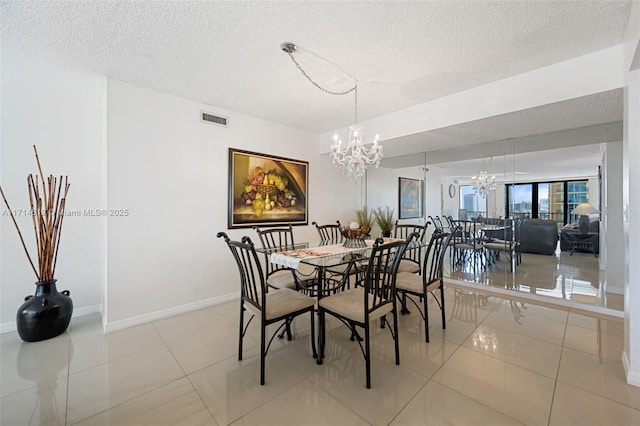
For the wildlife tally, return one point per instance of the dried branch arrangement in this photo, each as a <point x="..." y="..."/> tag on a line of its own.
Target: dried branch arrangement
<point x="47" y="199"/>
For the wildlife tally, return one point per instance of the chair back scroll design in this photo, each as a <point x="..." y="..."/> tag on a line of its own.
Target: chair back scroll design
<point x="412" y="259"/>
<point x="278" y="238"/>
<point x="434" y="259"/>
<point x="329" y="233"/>
<point x="437" y="222"/>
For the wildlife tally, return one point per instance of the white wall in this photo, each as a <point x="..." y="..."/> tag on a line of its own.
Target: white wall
<point x="170" y="171"/>
<point x="148" y="153"/>
<point x="67" y="129"/>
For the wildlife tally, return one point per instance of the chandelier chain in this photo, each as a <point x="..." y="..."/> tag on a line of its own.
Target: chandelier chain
<point x="317" y="85"/>
<point x="355" y="156"/>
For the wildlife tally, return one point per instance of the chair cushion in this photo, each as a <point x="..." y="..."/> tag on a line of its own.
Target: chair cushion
<point x="283" y="302"/>
<point x="465" y="246"/>
<point x="282" y="279"/>
<point x="408" y="266"/>
<point x="340" y="269"/>
<point x="350" y="304"/>
<point x="498" y="245"/>
<point x="413" y="283"/>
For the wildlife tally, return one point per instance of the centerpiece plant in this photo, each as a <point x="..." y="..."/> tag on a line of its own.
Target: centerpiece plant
<point x="385" y="220"/>
<point x="365" y="217"/>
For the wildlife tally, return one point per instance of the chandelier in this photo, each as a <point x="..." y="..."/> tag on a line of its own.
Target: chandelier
<point x="482" y="183"/>
<point x="355" y="156"/>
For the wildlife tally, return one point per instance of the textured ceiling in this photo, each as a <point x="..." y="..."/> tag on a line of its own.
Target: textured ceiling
<point x="227" y="54"/>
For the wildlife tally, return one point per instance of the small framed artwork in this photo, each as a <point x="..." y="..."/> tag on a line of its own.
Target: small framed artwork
<point x="410" y="195"/>
<point x="266" y="190"/>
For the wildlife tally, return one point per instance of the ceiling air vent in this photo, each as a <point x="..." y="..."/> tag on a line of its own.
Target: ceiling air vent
<point x="213" y="119"/>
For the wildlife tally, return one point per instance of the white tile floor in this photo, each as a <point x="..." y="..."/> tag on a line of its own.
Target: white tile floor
<point x="498" y="362"/>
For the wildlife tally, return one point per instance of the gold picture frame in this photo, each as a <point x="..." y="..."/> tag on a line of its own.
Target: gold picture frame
<point x="266" y="190"/>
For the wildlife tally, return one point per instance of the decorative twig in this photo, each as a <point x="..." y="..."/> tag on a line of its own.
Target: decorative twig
<point x="47" y="210"/>
<point x="33" y="214"/>
<point x="19" y="233"/>
<point x="59" y="228"/>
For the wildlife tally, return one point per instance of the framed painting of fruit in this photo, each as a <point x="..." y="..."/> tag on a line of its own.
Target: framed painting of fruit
<point x="266" y="190"/>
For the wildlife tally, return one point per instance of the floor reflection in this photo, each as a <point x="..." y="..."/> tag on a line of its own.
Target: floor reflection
<point x="574" y="278"/>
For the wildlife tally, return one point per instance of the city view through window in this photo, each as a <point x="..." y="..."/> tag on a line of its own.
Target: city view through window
<point x="471" y="204"/>
<point x="547" y="200"/>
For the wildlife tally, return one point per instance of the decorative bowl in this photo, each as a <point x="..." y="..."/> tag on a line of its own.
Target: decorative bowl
<point x="354" y="238"/>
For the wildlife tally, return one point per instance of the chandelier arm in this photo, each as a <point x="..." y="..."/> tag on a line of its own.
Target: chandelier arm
<point x="316" y="84"/>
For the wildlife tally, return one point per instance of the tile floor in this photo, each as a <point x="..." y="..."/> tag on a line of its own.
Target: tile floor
<point x="498" y="362"/>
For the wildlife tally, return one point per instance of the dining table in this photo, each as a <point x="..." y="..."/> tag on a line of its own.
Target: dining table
<point x="323" y="256"/>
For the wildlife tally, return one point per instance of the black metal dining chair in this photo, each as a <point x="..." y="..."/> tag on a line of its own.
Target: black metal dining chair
<point x="339" y="275"/>
<point x="412" y="260"/>
<point x="428" y="282"/>
<point x="437" y="223"/>
<point x="329" y="233"/>
<point x="271" y="307"/>
<point x="277" y="238"/>
<point x="374" y="299"/>
<point x="468" y="246"/>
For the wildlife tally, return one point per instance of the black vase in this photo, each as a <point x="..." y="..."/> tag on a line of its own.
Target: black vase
<point x="386" y="234"/>
<point x="44" y="315"/>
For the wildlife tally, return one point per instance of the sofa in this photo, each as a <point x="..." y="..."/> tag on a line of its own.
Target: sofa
<point x="538" y="236"/>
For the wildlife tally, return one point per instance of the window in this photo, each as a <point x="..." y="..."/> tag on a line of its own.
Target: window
<point x="474" y="204"/>
<point x="577" y="192"/>
<point x="547" y="200"/>
<point x="551" y="201"/>
<point x="521" y="200"/>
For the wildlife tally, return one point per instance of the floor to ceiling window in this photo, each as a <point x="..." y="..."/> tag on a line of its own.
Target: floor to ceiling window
<point x="520" y="200"/>
<point x="546" y="200"/>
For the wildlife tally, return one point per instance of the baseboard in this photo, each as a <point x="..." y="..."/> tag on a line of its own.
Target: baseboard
<point x="633" y="378"/>
<point x="142" y="319"/>
<point x="9" y="327"/>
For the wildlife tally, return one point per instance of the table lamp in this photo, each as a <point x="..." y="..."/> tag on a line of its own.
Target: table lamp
<point x="584" y="210"/>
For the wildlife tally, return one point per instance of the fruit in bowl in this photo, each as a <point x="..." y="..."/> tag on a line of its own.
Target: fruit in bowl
<point x="358" y="233"/>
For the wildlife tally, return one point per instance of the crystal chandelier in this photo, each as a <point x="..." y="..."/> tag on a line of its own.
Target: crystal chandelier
<point x="482" y="183"/>
<point x="355" y="156"/>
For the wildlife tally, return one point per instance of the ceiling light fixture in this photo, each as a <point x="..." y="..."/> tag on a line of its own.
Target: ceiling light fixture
<point x="355" y="156"/>
<point x="482" y="184"/>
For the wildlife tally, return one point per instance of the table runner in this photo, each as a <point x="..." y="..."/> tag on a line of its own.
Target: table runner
<point x="292" y="258"/>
